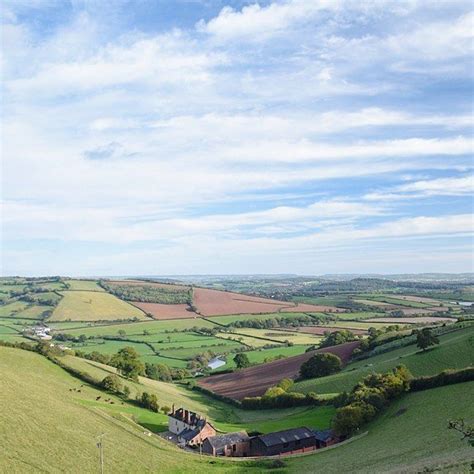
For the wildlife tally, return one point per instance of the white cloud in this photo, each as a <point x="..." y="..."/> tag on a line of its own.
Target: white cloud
<point x="462" y="186"/>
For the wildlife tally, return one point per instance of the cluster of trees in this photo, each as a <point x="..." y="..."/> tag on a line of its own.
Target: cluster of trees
<point x="149" y="293"/>
<point x="320" y="365"/>
<point x="337" y="337"/>
<point x="280" y="397"/>
<point x="241" y="360"/>
<point x="164" y="373"/>
<point x="281" y="321"/>
<point x="368" y="398"/>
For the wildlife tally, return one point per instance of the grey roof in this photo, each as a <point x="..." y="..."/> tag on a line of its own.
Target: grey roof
<point x="286" y="436"/>
<point x="323" y="435"/>
<point x="188" y="435"/>
<point x="220" y="441"/>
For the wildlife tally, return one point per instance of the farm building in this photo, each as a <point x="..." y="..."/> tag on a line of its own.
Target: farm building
<point x="189" y="427"/>
<point x="325" y="438"/>
<point x="230" y="444"/>
<point x="296" y="440"/>
<point x="215" y="363"/>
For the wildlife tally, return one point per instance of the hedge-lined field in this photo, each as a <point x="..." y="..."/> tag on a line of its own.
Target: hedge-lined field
<point x="93" y="306"/>
<point x="456" y="350"/>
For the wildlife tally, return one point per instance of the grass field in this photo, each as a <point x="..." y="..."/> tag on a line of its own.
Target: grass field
<point x="360" y="315"/>
<point x="11" y="309"/>
<point x="456" y="350"/>
<point x="84" y="285"/>
<point x="93" y="306"/>
<point x="261" y="356"/>
<point x="415" y="440"/>
<point x="245" y="317"/>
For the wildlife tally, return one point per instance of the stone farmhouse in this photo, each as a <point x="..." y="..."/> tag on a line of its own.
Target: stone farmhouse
<point x="230" y="444"/>
<point x="190" y="428"/>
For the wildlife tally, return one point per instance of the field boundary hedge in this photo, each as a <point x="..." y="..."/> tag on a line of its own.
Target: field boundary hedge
<point x="447" y="377"/>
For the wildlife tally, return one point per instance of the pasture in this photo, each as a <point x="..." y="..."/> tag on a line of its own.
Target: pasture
<point x="93" y="306"/>
<point x="47" y="427"/>
<point x="456" y="350"/>
<point x="410" y="436"/>
<point x="274" y="335"/>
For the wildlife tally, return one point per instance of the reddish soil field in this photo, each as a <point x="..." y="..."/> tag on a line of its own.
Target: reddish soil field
<point x="218" y="303"/>
<point x="320" y="330"/>
<point x="419" y="320"/>
<point x="166" y="311"/>
<point x="254" y="381"/>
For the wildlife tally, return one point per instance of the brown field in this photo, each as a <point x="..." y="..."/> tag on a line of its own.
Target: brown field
<point x="419" y="320"/>
<point x="166" y="311"/>
<point x="320" y="330"/>
<point x="218" y="303"/>
<point x="254" y="381"/>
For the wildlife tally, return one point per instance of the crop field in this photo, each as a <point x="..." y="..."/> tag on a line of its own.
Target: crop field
<point x="255" y="380"/>
<point x="93" y="306"/>
<point x="456" y="350"/>
<point x="166" y="311"/>
<point x="83" y="285"/>
<point x="360" y="324"/>
<point x="248" y="340"/>
<point x="398" y="301"/>
<point x="410" y="436"/>
<point x="216" y="303"/>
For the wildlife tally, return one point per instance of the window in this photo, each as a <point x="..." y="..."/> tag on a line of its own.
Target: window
<point x="234" y="447"/>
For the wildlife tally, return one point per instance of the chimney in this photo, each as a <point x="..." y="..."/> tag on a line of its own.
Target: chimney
<point x="172" y="409"/>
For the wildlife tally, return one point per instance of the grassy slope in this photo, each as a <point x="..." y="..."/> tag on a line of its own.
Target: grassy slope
<point x="92" y="306"/>
<point x="456" y="350"/>
<point x="47" y="428"/>
<point x="225" y="417"/>
<point x="409" y="442"/>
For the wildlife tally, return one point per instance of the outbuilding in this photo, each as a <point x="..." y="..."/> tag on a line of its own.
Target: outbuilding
<point x="296" y="440"/>
<point x="230" y="444"/>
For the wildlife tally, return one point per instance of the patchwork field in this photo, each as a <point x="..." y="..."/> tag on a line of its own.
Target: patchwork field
<point x="279" y="336"/>
<point x="93" y="306"/>
<point x="255" y="380"/>
<point x="321" y="330"/>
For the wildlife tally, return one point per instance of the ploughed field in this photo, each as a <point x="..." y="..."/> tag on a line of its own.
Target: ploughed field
<point x="254" y="381"/>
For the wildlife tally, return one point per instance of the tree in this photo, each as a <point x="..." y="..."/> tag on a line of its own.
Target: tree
<point x="425" y="338"/>
<point x="241" y="360"/>
<point x="128" y="363"/>
<point x="320" y="365"/>
<point x="337" y="337"/>
<point x="122" y="333"/>
<point x="112" y="383"/>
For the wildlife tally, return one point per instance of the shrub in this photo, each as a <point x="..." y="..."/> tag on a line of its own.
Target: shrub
<point x="112" y="383"/>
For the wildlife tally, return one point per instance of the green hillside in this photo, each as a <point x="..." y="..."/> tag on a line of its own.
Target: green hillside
<point x="410" y="437"/>
<point x="456" y="350"/>
<point x="47" y="428"/>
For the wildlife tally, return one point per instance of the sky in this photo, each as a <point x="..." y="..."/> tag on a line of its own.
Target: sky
<point x="157" y="137"/>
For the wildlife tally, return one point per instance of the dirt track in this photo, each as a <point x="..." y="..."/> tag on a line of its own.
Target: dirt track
<point x="254" y="381"/>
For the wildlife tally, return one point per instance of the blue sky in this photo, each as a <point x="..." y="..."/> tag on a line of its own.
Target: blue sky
<point x="185" y="137"/>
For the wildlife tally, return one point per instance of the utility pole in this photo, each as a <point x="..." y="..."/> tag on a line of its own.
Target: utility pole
<point x="100" y="445"/>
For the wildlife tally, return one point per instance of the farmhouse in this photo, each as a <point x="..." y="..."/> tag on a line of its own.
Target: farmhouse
<point x="189" y="427"/>
<point x="230" y="444"/>
<point x="297" y="440"/>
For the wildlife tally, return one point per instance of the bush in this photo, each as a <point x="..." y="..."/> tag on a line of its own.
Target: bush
<point x="112" y="383"/>
<point x="320" y="365"/>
